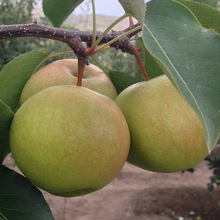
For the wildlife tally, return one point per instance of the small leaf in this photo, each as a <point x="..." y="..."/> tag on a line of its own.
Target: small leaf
<point x="19" y="199"/>
<point x="207" y="16"/>
<point x="57" y="11"/>
<point x="15" y="74"/>
<point x="6" y="116"/>
<point x="191" y="55"/>
<point x="12" y="80"/>
<point x="121" y="80"/>
<point x="135" y="8"/>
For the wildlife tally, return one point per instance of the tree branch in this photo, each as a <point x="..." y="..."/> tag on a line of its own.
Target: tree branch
<point x="73" y="38"/>
<point x="35" y="30"/>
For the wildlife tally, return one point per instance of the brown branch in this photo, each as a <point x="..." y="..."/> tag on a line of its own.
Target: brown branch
<point x="73" y="38"/>
<point x="81" y="66"/>
<point x="35" y="30"/>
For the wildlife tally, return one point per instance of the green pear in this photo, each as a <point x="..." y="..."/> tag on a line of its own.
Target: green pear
<point x="166" y="133"/>
<point x="64" y="72"/>
<point x="69" y="140"/>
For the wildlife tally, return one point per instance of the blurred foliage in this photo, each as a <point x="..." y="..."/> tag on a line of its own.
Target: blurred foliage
<point x="20" y="12"/>
<point x="14" y="12"/>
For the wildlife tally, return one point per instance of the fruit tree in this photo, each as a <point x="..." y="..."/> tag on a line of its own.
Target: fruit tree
<point x="70" y="125"/>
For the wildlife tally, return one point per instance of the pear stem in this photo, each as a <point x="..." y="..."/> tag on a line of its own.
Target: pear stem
<point x="140" y="63"/>
<point x="81" y="66"/>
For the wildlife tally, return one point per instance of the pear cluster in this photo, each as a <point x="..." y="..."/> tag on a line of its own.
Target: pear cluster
<point x="71" y="140"/>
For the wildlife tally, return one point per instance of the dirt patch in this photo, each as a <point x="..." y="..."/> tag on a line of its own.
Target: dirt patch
<point x="188" y="202"/>
<point x="137" y="194"/>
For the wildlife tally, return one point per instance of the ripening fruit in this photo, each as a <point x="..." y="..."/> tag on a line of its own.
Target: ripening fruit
<point x="69" y="140"/>
<point x="166" y="134"/>
<point x="64" y="72"/>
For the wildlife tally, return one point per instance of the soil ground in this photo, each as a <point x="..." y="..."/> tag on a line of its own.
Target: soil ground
<point x="137" y="194"/>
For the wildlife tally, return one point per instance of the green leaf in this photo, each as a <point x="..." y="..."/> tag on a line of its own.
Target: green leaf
<point x="12" y="80"/>
<point x="151" y="63"/>
<point x="191" y="55"/>
<point x="19" y="199"/>
<point x="121" y="80"/>
<point x="15" y="74"/>
<point x="207" y="16"/>
<point x="57" y="11"/>
<point x="212" y="3"/>
<point x="6" y="116"/>
<point x="134" y="8"/>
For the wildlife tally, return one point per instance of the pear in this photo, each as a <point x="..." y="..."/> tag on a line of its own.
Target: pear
<point x="166" y="133"/>
<point x="69" y="140"/>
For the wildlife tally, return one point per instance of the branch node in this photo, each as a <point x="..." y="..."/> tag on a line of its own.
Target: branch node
<point x="78" y="48"/>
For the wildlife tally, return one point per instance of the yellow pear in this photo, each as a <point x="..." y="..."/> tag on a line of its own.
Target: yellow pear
<point x="166" y="133"/>
<point x="69" y="140"/>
